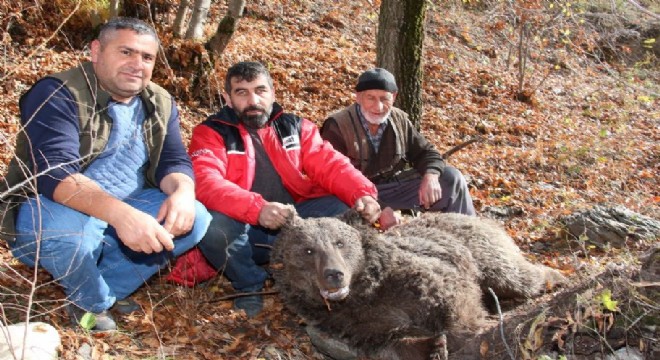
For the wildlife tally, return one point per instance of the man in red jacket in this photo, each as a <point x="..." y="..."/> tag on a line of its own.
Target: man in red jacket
<point x="253" y="165"/>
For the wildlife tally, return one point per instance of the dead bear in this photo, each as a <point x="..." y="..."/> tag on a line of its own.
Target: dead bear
<point x="392" y="295"/>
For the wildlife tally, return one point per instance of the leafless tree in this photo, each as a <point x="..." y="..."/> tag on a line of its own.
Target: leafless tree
<point x="180" y="20"/>
<point x="114" y="7"/>
<point x="226" y="28"/>
<point x="198" y="19"/>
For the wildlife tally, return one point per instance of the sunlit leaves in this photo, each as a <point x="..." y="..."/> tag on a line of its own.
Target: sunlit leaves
<point x="88" y="321"/>
<point x="648" y="43"/>
<point x="589" y="139"/>
<point x="605" y="299"/>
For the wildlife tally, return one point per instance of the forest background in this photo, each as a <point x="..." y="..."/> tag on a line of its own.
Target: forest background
<point x="586" y="133"/>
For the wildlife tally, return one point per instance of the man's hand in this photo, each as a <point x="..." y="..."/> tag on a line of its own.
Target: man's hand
<point x="273" y="215"/>
<point x="429" y="190"/>
<point x="139" y="231"/>
<point x="177" y="213"/>
<point x="368" y="207"/>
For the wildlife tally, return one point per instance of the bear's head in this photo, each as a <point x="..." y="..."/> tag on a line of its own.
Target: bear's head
<point x="317" y="255"/>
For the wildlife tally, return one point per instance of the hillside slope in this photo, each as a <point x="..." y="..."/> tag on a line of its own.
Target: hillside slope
<point x="589" y="134"/>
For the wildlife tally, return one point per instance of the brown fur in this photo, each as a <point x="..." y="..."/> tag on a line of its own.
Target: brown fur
<point x="502" y="265"/>
<point x="405" y="287"/>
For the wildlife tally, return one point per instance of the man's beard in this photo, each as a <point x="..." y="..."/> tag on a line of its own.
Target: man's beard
<point x="254" y="121"/>
<point x="376" y="120"/>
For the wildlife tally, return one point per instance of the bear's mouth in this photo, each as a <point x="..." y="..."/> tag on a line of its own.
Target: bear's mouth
<point x="335" y="294"/>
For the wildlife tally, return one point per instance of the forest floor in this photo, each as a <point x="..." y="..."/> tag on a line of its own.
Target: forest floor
<point x="589" y="134"/>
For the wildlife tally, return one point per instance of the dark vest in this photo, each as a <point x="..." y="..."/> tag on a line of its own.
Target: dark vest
<point x="359" y="149"/>
<point x="95" y="126"/>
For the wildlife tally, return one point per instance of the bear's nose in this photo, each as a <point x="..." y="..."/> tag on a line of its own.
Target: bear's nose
<point x="334" y="276"/>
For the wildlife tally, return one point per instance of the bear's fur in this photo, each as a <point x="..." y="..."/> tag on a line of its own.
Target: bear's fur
<point x="391" y="295"/>
<point x="502" y="265"/>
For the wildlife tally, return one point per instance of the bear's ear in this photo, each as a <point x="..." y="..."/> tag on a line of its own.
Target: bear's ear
<point x="352" y="217"/>
<point x="293" y="219"/>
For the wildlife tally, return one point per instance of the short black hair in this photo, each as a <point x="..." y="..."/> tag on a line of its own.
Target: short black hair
<point x="126" y="23"/>
<point x="246" y="71"/>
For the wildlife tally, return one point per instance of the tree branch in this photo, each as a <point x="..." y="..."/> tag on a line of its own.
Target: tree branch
<point x="43" y="43"/>
<point x="644" y="10"/>
<point x="460" y="146"/>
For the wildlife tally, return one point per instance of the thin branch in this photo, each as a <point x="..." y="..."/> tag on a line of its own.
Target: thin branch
<point x="237" y="295"/>
<point x="43" y="43"/>
<point x="29" y="177"/>
<point x="644" y="10"/>
<point x="461" y="146"/>
<point x="499" y="312"/>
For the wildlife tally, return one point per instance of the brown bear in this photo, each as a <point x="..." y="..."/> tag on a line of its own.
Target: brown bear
<point x="392" y="295"/>
<point x="502" y="265"/>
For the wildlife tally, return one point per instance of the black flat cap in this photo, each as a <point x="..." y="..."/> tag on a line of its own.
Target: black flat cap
<point x="376" y="79"/>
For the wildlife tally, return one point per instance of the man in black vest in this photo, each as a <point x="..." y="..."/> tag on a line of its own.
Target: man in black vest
<point x="383" y="144"/>
<point x="103" y="190"/>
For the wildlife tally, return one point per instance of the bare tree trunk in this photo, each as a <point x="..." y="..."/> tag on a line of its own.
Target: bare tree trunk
<point x="226" y="28"/>
<point x="114" y="8"/>
<point x="198" y="19"/>
<point x="180" y="20"/>
<point x="399" y="47"/>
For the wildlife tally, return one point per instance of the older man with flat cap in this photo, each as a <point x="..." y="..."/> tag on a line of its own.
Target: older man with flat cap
<point x="380" y="140"/>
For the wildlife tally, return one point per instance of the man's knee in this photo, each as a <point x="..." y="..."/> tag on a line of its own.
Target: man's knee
<point x="453" y="177"/>
<point x="202" y="221"/>
<point x="335" y="208"/>
<point x="196" y="234"/>
<point x="321" y="207"/>
<point x="222" y="231"/>
<point x="58" y="230"/>
<point x="455" y="193"/>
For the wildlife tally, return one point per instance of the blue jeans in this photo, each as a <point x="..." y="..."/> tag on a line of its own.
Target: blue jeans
<point x="83" y="253"/>
<point x="232" y="247"/>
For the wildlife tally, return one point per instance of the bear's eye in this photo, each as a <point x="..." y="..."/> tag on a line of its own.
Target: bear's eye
<point x="340" y="244"/>
<point x="309" y="251"/>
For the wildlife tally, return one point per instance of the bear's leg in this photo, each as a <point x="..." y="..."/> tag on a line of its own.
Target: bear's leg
<point x="416" y="347"/>
<point x="517" y="278"/>
<point x="464" y="305"/>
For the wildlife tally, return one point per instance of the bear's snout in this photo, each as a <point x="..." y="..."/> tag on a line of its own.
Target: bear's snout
<point x="334" y="277"/>
<point x="332" y="274"/>
<point x="334" y="287"/>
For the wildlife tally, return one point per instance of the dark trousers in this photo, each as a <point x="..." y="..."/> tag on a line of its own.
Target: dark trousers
<point x="405" y="194"/>
<point x="233" y="247"/>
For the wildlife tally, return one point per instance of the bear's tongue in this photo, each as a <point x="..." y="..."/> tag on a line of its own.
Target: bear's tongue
<point x="339" y="294"/>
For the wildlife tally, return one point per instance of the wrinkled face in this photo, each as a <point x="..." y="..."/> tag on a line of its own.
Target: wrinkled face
<point x="124" y="62"/>
<point x="320" y="256"/>
<point x="376" y="105"/>
<point x="251" y="100"/>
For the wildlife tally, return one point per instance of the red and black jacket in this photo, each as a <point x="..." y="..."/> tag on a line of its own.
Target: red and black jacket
<point x="224" y="164"/>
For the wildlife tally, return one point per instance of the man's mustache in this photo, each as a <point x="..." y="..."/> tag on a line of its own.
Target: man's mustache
<point x="254" y="107"/>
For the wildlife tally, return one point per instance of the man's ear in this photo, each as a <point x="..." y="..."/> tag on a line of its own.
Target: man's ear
<point x="394" y="96"/>
<point x="95" y="48"/>
<point x="227" y="99"/>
